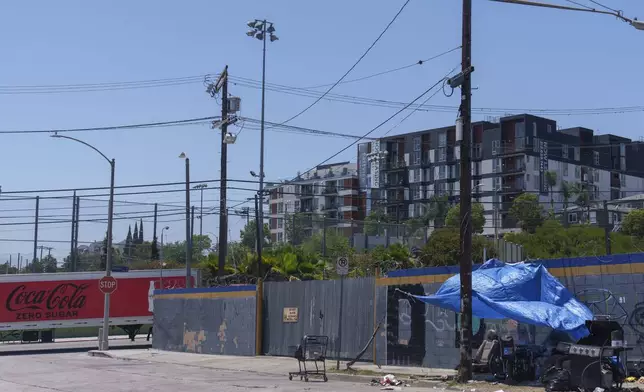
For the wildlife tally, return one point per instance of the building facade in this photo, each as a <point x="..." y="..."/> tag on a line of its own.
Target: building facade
<point x="510" y="156"/>
<point x="325" y="197"/>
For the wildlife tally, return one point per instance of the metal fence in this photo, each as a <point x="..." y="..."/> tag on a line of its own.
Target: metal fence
<point x="295" y="309"/>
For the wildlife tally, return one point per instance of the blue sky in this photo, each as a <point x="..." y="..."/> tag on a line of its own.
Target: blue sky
<point x="524" y="58"/>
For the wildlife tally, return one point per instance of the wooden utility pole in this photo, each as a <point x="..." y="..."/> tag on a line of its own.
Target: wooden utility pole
<point x="465" y="369"/>
<point x="223" y="216"/>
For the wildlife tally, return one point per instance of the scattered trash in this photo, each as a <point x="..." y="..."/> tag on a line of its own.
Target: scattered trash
<point x="391" y="388"/>
<point x="641" y="380"/>
<point x="631" y="379"/>
<point x="390" y="379"/>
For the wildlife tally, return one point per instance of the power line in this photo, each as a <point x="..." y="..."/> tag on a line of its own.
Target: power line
<point x="418" y="63"/>
<point x="93" y="87"/>
<point x="191" y="121"/>
<point x="352" y="67"/>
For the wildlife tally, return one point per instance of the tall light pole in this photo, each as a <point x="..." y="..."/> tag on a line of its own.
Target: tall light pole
<point x="162" y="263"/>
<point x="161" y="251"/>
<point x="188" y="231"/>
<point x="261" y="29"/>
<point x="201" y="188"/>
<point x="104" y="342"/>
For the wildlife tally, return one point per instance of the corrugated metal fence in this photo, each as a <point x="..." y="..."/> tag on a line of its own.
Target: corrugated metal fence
<point x="317" y="305"/>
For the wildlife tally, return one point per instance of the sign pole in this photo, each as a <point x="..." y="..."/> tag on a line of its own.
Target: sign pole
<point x="342" y="268"/>
<point x="340" y="321"/>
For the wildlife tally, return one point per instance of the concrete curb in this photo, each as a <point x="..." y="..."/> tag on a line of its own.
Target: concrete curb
<point x="106" y="354"/>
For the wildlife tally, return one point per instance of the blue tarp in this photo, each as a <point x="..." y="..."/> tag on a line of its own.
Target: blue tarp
<point x="523" y="292"/>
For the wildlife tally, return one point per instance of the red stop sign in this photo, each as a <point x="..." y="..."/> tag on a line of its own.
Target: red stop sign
<point x="107" y="284"/>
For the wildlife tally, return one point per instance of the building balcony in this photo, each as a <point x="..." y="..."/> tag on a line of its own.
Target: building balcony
<point x="330" y="206"/>
<point x="512" y="188"/>
<point x="398" y="164"/>
<point x="516" y="147"/>
<point x="402" y="182"/>
<point x="513" y="169"/>
<point x="330" y="191"/>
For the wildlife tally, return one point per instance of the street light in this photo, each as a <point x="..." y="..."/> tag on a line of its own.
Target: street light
<point x="162" y="263"/>
<point x="639" y="25"/>
<point x="201" y="187"/>
<point x="188" y="236"/>
<point x="103" y="342"/>
<point x="261" y="29"/>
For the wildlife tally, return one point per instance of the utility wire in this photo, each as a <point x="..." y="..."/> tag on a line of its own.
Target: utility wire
<point x="419" y="62"/>
<point x="352" y="67"/>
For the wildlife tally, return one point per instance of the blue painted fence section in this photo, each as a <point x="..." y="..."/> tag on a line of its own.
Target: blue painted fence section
<point x="206" y="320"/>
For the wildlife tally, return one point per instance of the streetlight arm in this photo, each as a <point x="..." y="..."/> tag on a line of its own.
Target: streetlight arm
<point x="563" y="7"/>
<point x="86" y="144"/>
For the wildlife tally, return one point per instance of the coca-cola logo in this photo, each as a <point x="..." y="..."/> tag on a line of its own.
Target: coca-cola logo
<point x="65" y="296"/>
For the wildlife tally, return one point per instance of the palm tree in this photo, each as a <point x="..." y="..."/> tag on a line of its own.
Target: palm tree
<point x="436" y="210"/>
<point x="551" y="181"/>
<point x="583" y="198"/>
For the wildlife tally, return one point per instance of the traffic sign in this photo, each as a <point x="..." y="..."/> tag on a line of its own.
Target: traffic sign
<point x="342" y="265"/>
<point x="107" y="284"/>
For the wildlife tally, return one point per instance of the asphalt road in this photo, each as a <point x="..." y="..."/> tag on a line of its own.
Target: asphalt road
<point x="73" y="372"/>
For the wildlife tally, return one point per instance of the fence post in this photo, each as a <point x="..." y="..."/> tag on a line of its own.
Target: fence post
<point x="259" y="315"/>
<point x="375" y="315"/>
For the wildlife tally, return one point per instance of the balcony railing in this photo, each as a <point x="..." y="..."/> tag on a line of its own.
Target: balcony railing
<point x="513" y="169"/>
<point x="517" y="145"/>
<point x="393" y="165"/>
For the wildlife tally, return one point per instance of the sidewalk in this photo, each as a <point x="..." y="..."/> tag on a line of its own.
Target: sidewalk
<point x="271" y="365"/>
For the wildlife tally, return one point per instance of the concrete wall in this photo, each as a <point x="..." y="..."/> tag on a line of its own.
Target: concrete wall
<point x="207" y="321"/>
<point x="417" y="334"/>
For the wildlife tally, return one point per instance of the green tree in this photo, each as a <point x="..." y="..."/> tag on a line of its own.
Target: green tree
<point x="583" y="199"/>
<point x="248" y="235"/>
<point x="444" y="246"/>
<point x="453" y="218"/>
<point x="375" y="222"/>
<point x="551" y="181"/>
<point x="633" y="223"/>
<point x="552" y="240"/>
<point x="527" y="210"/>
<point x="294" y="225"/>
<point x="141" y="239"/>
<point x="436" y="210"/>
<point x="154" y="249"/>
<point x="176" y="251"/>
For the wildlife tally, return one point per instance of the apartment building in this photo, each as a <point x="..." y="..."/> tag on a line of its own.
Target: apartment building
<point x="329" y="191"/>
<point x="510" y="156"/>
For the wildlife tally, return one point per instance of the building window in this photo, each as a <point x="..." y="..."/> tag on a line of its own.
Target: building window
<point x="416" y="175"/>
<point x="496" y="165"/>
<point x="476" y="168"/>
<point x="441" y="172"/>
<point x="496" y="146"/>
<point x="622" y="163"/>
<point x="442" y="154"/>
<point x="418" y="192"/>
<point x="496" y="182"/>
<point x="280" y="208"/>
<point x="622" y="180"/>
<point x="535" y="145"/>
<point x="536" y="182"/>
<point x="442" y="139"/>
<point x="429" y="175"/>
<point x="572" y="217"/>
<point x="280" y="237"/>
<point x="577" y="172"/>
<point x="280" y="223"/>
<point x="416" y="157"/>
<point x="596" y="176"/>
<point x="596" y="157"/>
<point x="417" y="143"/>
<point x="577" y="154"/>
<point x="549" y="128"/>
<point x="534" y="129"/>
<point x="564" y="151"/>
<point x="564" y="168"/>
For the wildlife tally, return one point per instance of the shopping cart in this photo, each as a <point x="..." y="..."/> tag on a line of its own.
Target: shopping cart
<point x="312" y="349"/>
